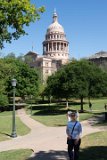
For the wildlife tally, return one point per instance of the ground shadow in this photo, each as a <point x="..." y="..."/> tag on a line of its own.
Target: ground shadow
<point x="89" y="153"/>
<point x="54" y="111"/>
<point x="98" y="119"/>
<point x="50" y="112"/>
<point x="45" y="107"/>
<point x="94" y="153"/>
<point x="73" y="103"/>
<point x="50" y="155"/>
<point x="6" y="134"/>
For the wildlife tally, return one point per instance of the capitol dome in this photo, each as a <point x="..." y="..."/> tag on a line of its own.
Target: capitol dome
<point x="55" y="26"/>
<point x="55" y="29"/>
<point x="55" y="44"/>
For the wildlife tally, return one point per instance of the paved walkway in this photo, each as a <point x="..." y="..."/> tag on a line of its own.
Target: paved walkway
<point x="47" y="142"/>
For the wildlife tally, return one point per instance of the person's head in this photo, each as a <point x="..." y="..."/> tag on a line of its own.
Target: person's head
<point x="69" y="113"/>
<point x="73" y="116"/>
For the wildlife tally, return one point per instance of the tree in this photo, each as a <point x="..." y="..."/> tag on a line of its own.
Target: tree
<point x="27" y="78"/>
<point x="3" y="100"/>
<point x="78" y="79"/>
<point x="58" y="85"/>
<point x="14" y="15"/>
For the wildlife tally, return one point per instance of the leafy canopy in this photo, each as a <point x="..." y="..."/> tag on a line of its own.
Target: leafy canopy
<point x="14" y="15"/>
<point x="78" y="79"/>
<point x="27" y="78"/>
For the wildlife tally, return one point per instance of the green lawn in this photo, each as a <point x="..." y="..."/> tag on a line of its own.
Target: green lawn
<point x="6" y="113"/>
<point x="55" y="114"/>
<point x="21" y="154"/>
<point x="97" y="104"/>
<point x="94" y="147"/>
<point x="6" y="126"/>
<point x="58" y="120"/>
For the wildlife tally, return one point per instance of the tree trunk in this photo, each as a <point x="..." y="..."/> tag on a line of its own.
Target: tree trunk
<point x="67" y="105"/>
<point x="49" y="100"/>
<point x="89" y="100"/>
<point x="82" y="109"/>
<point x="43" y="97"/>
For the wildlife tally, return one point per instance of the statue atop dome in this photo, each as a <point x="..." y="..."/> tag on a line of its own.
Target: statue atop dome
<point x="55" y="16"/>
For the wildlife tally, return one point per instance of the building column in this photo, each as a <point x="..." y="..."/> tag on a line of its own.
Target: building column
<point x="56" y="36"/>
<point x="48" y="47"/>
<point x="60" y="46"/>
<point x="65" y="47"/>
<point x="68" y="48"/>
<point x="52" y="46"/>
<point x="56" y="46"/>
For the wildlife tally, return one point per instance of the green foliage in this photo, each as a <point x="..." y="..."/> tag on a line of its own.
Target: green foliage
<point x="14" y="15"/>
<point x="78" y="79"/>
<point x="3" y="100"/>
<point x="27" y="78"/>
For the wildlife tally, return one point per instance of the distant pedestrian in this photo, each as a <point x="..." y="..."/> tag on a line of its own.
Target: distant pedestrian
<point x="73" y="130"/>
<point x="90" y="106"/>
<point x="105" y="106"/>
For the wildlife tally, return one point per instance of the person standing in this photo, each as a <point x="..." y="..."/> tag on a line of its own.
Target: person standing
<point x="105" y="106"/>
<point x="73" y="131"/>
<point x="90" y="106"/>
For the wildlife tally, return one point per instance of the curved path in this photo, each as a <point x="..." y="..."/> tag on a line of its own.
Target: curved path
<point x="45" y="141"/>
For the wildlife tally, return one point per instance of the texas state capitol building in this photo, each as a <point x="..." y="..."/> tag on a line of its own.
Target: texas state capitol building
<point x="55" y="50"/>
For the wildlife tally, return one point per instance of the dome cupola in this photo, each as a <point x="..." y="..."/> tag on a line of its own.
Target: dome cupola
<point x="55" y="26"/>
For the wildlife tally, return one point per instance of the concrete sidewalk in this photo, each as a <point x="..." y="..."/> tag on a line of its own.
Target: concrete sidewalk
<point x="45" y="141"/>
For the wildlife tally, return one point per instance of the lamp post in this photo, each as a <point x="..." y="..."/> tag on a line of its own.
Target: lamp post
<point x="13" y="135"/>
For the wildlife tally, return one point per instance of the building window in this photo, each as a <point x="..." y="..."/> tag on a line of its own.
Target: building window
<point x="46" y="64"/>
<point x="46" y="71"/>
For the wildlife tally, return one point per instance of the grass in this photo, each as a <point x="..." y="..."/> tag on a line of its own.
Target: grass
<point x="6" y="126"/>
<point x="57" y="120"/>
<point x="94" y="147"/>
<point x="21" y="154"/>
<point x="6" y="113"/>
<point x="97" y="104"/>
<point x="55" y="114"/>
